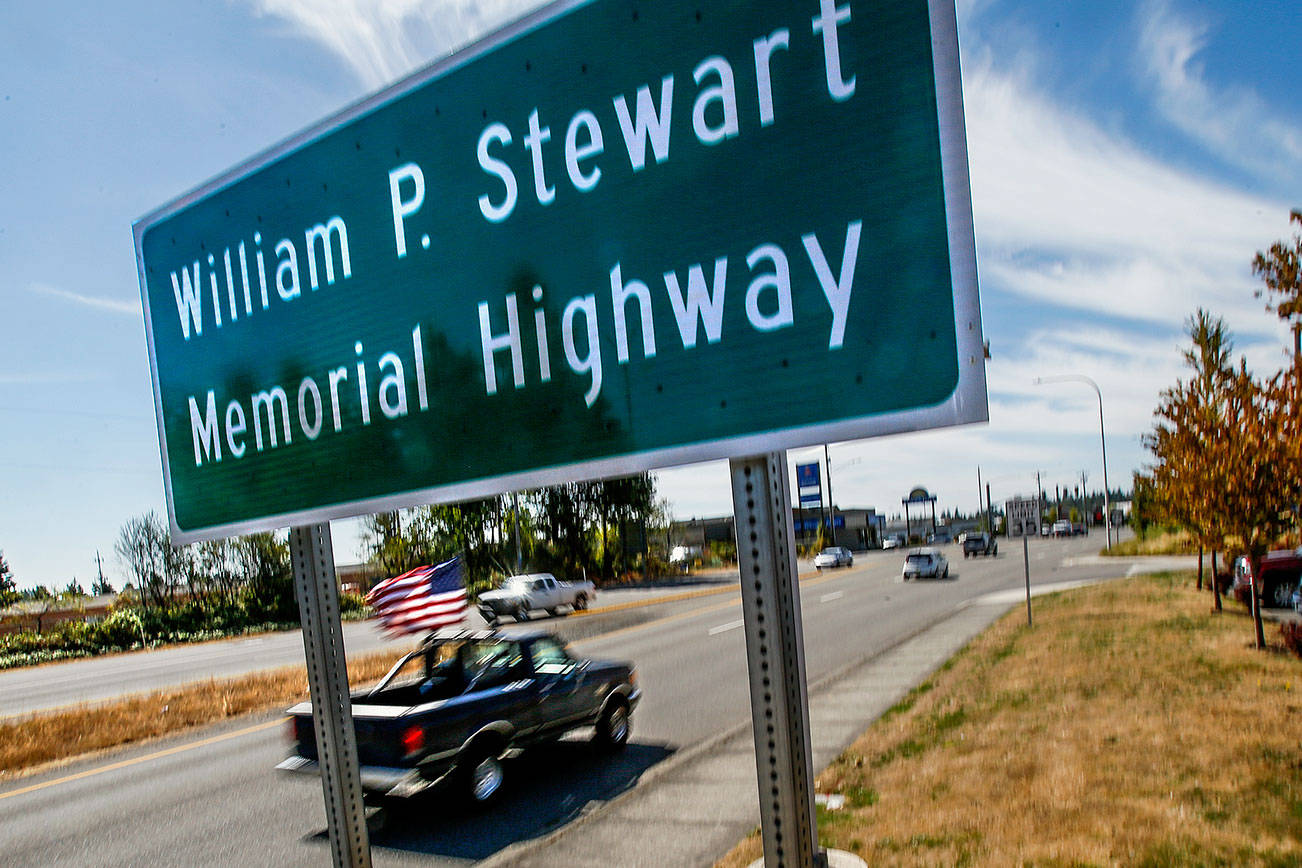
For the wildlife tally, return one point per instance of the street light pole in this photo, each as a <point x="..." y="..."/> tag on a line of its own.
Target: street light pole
<point x="1107" y="502"/>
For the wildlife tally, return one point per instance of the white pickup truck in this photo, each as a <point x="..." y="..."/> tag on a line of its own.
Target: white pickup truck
<point x="519" y="595"/>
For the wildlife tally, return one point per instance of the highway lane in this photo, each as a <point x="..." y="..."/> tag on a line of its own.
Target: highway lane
<point x="41" y="688"/>
<point x="218" y="802"/>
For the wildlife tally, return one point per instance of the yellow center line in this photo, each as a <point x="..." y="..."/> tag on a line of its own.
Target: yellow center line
<point x="810" y="581"/>
<point x="146" y="758"/>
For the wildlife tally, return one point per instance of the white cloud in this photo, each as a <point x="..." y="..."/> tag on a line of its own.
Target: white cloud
<point x="112" y="305"/>
<point x="1234" y="123"/>
<point x="1070" y="214"/>
<point x="384" y="40"/>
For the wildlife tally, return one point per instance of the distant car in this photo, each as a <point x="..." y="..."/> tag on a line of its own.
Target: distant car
<point x="519" y="595"/>
<point x="1062" y="527"/>
<point x="1046" y="529"/>
<point x="834" y="556"/>
<point x="892" y="542"/>
<point x="980" y="544"/>
<point x="684" y="556"/>
<point x="925" y="563"/>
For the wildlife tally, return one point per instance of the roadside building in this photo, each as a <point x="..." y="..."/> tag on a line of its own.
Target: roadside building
<point x="38" y="615"/>
<point x="854" y="528"/>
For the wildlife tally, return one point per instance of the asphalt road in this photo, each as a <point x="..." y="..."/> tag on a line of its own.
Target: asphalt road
<point x="213" y="799"/>
<point x="42" y="688"/>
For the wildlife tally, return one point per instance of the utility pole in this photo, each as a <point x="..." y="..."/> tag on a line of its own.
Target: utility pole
<point x="831" y="510"/>
<point x="1084" y="496"/>
<point x="979" y="493"/>
<point x="515" y="511"/>
<point x="990" y="514"/>
<point x="1039" y="495"/>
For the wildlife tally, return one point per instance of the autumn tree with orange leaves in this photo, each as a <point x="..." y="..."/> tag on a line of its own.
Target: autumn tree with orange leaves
<point x="1228" y="447"/>
<point x="1190" y="417"/>
<point x="1261" y="494"/>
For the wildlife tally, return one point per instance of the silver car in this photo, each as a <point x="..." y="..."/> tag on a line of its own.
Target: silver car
<point x="834" y="556"/>
<point x="925" y="563"/>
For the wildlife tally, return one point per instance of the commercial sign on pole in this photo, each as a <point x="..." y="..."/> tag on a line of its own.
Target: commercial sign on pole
<point x="809" y="486"/>
<point x="1023" y="516"/>
<point x="807" y="476"/>
<point x="612" y="237"/>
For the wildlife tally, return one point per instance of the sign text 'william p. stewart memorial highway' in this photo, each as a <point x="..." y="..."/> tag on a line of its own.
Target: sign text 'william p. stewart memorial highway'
<point x="613" y="236"/>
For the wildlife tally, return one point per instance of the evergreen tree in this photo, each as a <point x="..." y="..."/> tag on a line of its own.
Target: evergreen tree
<point x="8" y="587"/>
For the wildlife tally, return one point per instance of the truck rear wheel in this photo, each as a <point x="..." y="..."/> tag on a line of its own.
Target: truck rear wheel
<point x="580" y="602"/>
<point x="483" y="776"/>
<point x="613" y="726"/>
<point x="521" y="614"/>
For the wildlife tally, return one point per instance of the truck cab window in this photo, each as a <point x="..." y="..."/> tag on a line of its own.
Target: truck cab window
<point x="550" y="657"/>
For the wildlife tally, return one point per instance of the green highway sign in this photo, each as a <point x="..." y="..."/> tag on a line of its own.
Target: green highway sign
<point x="613" y="236"/>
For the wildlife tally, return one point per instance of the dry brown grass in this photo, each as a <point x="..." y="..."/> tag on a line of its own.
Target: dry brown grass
<point x="30" y="743"/>
<point x="1129" y="727"/>
<point x="1177" y="542"/>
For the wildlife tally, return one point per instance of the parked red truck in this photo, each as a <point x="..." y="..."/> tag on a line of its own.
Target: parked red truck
<point x="1280" y="573"/>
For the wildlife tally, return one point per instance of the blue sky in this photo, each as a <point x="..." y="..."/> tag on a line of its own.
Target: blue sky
<point x="1127" y="158"/>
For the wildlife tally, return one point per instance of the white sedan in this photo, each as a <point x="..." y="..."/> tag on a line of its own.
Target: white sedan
<point x="925" y="563"/>
<point x="834" y="556"/>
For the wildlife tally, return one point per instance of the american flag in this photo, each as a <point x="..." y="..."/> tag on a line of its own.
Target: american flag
<point x="425" y="598"/>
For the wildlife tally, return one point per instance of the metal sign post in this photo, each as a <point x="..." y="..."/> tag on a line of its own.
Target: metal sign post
<point x="327" y="678"/>
<point x="775" y="656"/>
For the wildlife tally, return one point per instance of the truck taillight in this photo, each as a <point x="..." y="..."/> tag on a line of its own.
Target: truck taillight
<point x="413" y="740"/>
<point x="295" y="729"/>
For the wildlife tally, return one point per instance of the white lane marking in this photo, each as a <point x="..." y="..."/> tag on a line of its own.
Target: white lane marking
<point x="835" y="595"/>
<point x="724" y="628"/>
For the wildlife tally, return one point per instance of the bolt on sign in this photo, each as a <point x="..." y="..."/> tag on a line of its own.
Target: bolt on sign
<point x="613" y="236"/>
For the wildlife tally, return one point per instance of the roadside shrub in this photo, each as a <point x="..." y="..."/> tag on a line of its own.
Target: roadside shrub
<point x="1292" y="633"/>
<point x="352" y="604"/>
<point x="129" y="627"/>
<point x="122" y="628"/>
<point x="720" y="553"/>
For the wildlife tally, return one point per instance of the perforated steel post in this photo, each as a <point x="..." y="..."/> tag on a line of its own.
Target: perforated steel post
<point x="775" y="653"/>
<point x="327" y="678"/>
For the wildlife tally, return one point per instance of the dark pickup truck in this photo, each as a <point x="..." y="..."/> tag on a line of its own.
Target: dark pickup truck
<point x="980" y="544"/>
<point x="452" y="710"/>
